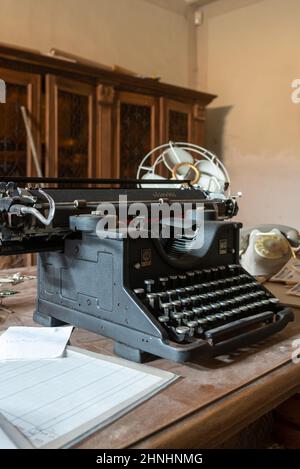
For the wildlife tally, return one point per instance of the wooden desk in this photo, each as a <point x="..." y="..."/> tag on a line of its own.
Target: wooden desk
<point x="209" y="404"/>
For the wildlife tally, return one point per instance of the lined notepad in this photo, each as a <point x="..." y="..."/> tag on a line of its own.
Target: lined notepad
<point x="5" y="441"/>
<point x="55" y="403"/>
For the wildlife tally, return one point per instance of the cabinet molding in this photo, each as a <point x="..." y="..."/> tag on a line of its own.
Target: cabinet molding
<point x="104" y="131"/>
<point x="105" y="94"/>
<point x="199" y="112"/>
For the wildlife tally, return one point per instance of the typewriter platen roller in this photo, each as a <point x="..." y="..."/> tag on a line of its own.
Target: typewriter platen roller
<point x="152" y="296"/>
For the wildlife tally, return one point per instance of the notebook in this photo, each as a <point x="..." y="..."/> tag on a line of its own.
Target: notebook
<point x="56" y="403"/>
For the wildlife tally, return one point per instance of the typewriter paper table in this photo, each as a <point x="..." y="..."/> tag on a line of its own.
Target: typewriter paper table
<point x="212" y="402"/>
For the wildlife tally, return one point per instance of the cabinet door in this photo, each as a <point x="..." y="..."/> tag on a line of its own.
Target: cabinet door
<point x="22" y="89"/>
<point x="176" y="120"/>
<point x="70" y="128"/>
<point x="136" y="131"/>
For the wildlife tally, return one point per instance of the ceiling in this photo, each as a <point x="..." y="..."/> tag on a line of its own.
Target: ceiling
<point x="179" y="6"/>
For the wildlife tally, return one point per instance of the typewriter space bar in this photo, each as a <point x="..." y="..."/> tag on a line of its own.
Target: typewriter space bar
<point x="214" y="334"/>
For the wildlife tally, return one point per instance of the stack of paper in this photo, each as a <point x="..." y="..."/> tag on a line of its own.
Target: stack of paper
<point x="55" y="403"/>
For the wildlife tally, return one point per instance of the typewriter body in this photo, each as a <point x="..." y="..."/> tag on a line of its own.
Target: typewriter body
<point x="153" y="296"/>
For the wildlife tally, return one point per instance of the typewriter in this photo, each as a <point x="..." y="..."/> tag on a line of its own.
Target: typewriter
<point x="154" y="296"/>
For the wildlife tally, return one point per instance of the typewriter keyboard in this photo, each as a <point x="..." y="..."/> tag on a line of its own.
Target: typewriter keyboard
<point x="207" y="303"/>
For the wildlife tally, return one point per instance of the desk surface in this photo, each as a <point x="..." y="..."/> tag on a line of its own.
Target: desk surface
<point x="209" y="404"/>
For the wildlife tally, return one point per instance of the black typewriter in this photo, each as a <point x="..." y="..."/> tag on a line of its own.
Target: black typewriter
<point x="153" y="296"/>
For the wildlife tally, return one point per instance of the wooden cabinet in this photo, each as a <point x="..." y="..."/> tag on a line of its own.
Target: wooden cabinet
<point x="86" y="120"/>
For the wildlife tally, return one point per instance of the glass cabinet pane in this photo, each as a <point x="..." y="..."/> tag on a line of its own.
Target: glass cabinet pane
<point x="73" y="134"/>
<point x="13" y="140"/>
<point x="178" y="126"/>
<point x="135" y="137"/>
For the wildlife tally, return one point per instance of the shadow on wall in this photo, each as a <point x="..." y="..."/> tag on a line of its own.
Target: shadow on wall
<point x="214" y="133"/>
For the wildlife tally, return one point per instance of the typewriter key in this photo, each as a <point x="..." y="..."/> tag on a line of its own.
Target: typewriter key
<point x="163" y="297"/>
<point x="172" y="294"/>
<point x="247" y="310"/>
<point x="190" y="277"/>
<point x="187" y="316"/>
<point x="222" y="271"/>
<point x="244" y="311"/>
<point x="214" y="272"/>
<point x="164" y="319"/>
<point x="228" y="315"/>
<point x="202" y="326"/>
<point x="261" y="293"/>
<point x="182" y="280"/>
<point x="219" y="294"/>
<point x="197" y="311"/>
<point x="140" y="292"/>
<point x="274" y="301"/>
<point x="205" y="287"/>
<point x="198" y="275"/>
<point x="192" y="325"/>
<point x="203" y="299"/>
<point x="149" y="285"/>
<point x="152" y="299"/>
<point x="166" y="308"/>
<point x="185" y="303"/>
<point x="176" y="305"/>
<point x="177" y="317"/>
<point x="265" y="305"/>
<point x="198" y="288"/>
<point x="181" y="293"/>
<point x="195" y="300"/>
<point x="173" y="281"/>
<point x="210" y="297"/>
<point x="205" y="309"/>
<point x="231" y="302"/>
<point x="220" y="317"/>
<point x="163" y="282"/>
<point x="190" y="290"/>
<point x="207" y="273"/>
<point x="236" y="313"/>
<point x="211" y="321"/>
<point x="223" y="283"/>
<point x="181" y="332"/>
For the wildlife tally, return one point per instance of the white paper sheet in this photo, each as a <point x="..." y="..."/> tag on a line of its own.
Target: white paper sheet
<point x="54" y="403"/>
<point x="5" y="441"/>
<point x="34" y="343"/>
<point x="11" y="437"/>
